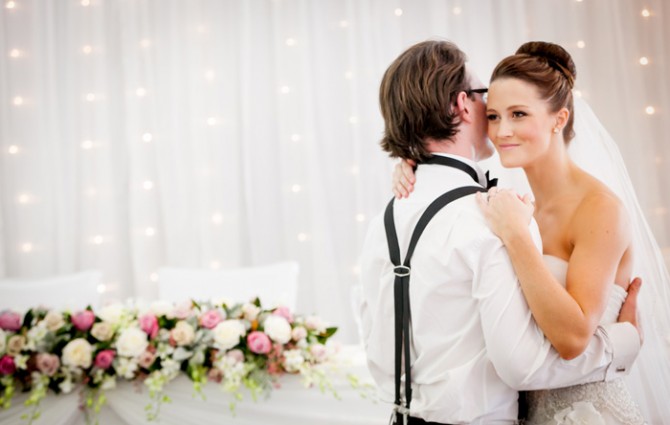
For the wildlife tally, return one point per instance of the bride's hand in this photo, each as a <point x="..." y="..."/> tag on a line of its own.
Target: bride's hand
<point x="403" y="178"/>
<point x="507" y="213"/>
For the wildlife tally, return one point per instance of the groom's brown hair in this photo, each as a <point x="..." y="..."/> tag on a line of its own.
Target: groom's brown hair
<point x="416" y="97"/>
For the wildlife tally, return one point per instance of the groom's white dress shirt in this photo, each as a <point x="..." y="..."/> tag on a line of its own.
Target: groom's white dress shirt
<point x="474" y="341"/>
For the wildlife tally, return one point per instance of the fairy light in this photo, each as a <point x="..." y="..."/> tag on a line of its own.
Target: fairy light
<point x="27" y="247"/>
<point x="10" y="5"/>
<point x="141" y="92"/>
<point x="354" y="170"/>
<point x="296" y="137"/>
<point x="90" y="97"/>
<point x="581" y="44"/>
<point x="645" y="13"/>
<point x="209" y="75"/>
<point x="344" y="24"/>
<point x="290" y="42"/>
<point x="14" y="53"/>
<point x="644" y="60"/>
<point x="348" y="75"/>
<point x="98" y="239"/>
<point x="150" y="231"/>
<point x="356" y="270"/>
<point x="302" y="237"/>
<point x="296" y="188"/>
<point x="398" y="12"/>
<point x="353" y="120"/>
<point x="285" y="89"/>
<point x="217" y="218"/>
<point x="24" y="198"/>
<point x="85" y="3"/>
<point x="147" y="137"/>
<point x="102" y="288"/>
<point x="578" y="93"/>
<point x="153" y="277"/>
<point x="650" y="110"/>
<point x="360" y="217"/>
<point x="18" y="101"/>
<point x="86" y="144"/>
<point x="211" y="121"/>
<point x="148" y="185"/>
<point x="87" y="49"/>
<point x="457" y="10"/>
<point x="145" y="43"/>
<point x="13" y="150"/>
<point x="214" y="265"/>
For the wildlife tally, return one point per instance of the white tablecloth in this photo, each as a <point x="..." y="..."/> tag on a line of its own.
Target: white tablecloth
<point x="290" y="404"/>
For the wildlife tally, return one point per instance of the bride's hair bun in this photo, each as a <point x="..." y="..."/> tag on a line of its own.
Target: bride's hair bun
<point x="556" y="57"/>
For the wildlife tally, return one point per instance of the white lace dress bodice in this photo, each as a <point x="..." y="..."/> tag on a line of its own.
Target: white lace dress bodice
<point x="598" y="403"/>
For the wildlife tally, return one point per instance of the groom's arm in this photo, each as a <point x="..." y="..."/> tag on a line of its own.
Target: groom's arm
<point x="522" y="356"/>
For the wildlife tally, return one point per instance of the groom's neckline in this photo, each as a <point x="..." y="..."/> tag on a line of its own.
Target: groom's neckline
<point x="453" y="163"/>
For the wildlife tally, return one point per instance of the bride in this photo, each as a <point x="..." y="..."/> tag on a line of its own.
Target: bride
<point x="594" y="235"/>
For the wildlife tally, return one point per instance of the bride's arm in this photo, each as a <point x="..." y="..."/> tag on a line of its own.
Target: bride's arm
<point x="567" y="316"/>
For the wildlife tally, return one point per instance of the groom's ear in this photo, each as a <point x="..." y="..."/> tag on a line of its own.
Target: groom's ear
<point x="464" y="107"/>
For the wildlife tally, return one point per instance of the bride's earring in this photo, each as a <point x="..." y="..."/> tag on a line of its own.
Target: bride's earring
<point x="556" y="130"/>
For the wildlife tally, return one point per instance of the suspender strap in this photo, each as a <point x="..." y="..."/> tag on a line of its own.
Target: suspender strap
<point x="401" y="290"/>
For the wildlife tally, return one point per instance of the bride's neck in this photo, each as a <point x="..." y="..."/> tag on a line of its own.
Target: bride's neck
<point x="550" y="176"/>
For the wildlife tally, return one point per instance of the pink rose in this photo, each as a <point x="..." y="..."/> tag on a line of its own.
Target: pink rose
<point x="210" y="319"/>
<point x="83" y="320"/>
<point x="214" y="375"/>
<point x="47" y="363"/>
<point x="237" y="355"/>
<point x="7" y="366"/>
<point x="284" y="312"/>
<point x="146" y="359"/>
<point x="10" y="321"/>
<point x="104" y="359"/>
<point x="259" y="343"/>
<point x="149" y="324"/>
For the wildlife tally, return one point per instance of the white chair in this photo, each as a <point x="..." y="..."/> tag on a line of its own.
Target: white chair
<point x="275" y="284"/>
<point x="73" y="291"/>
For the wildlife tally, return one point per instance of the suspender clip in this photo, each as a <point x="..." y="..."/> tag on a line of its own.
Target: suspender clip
<point x="401" y="271"/>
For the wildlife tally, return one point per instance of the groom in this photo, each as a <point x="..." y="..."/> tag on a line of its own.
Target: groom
<point x="474" y="343"/>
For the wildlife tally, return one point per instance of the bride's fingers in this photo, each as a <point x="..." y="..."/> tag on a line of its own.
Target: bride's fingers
<point x="407" y="169"/>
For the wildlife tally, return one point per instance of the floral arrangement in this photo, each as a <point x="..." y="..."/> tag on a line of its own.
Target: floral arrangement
<point x="234" y="345"/>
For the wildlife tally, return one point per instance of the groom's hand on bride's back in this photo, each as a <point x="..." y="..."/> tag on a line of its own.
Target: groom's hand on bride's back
<point x="629" y="312"/>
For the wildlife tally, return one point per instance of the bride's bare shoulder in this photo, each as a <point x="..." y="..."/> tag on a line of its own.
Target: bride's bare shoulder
<point x="601" y="208"/>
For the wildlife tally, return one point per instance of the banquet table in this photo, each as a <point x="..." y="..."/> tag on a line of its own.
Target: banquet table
<point x="291" y="403"/>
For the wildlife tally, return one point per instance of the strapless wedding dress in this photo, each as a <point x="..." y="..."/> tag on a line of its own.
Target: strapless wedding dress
<point x="599" y="403"/>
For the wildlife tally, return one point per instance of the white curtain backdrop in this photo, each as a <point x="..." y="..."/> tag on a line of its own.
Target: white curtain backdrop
<point x="136" y="134"/>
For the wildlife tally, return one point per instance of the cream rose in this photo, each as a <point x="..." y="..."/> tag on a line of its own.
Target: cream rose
<point x="15" y="344"/>
<point x="3" y="341"/>
<point x="54" y="321"/>
<point x="183" y="333"/>
<point x="278" y="329"/>
<point x="250" y="311"/>
<point x="78" y="353"/>
<point x="112" y="314"/>
<point x="132" y="342"/>
<point x="227" y="334"/>
<point x="102" y="331"/>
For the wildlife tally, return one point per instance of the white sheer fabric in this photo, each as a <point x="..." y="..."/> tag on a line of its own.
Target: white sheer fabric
<point x="136" y="134"/>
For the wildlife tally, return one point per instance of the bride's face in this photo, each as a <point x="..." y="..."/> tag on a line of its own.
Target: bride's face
<point x="520" y="123"/>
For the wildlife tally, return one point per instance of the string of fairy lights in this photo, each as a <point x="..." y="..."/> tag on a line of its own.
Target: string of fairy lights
<point x="25" y="100"/>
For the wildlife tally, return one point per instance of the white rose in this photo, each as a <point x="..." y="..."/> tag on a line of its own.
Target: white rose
<point x="278" y="329"/>
<point x="3" y="341"/>
<point x="54" y="320"/>
<point x="319" y="352"/>
<point x="132" y="342"/>
<point x="250" y="311"/>
<point x="316" y="324"/>
<point x="183" y="333"/>
<point x="162" y="308"/>
<point x="299" y="333"/>
<point x="102" y="331"/>
<point x="78" y="353"/>
<point x="15" y="344"/>
<point x="293" y="359"/>
<point x="66" y="386"/>
<point x="125" y="367"/>
<point x="112" y="313"/>
<point x="580" y="413"/>
<point x="35" y="336"/>
<point x="227" y="334"/>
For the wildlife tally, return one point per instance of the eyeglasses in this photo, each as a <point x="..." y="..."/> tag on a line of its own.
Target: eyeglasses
<point x="483" y="92"/>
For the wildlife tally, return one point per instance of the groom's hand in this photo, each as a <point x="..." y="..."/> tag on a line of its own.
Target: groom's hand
<point x="629" y="312"/>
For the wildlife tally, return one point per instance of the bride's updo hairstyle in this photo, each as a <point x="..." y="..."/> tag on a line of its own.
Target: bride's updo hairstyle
<point x="548" y="67"/>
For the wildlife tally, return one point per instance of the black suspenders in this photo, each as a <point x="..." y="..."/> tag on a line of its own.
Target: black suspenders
<point x="401" y="290"/>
